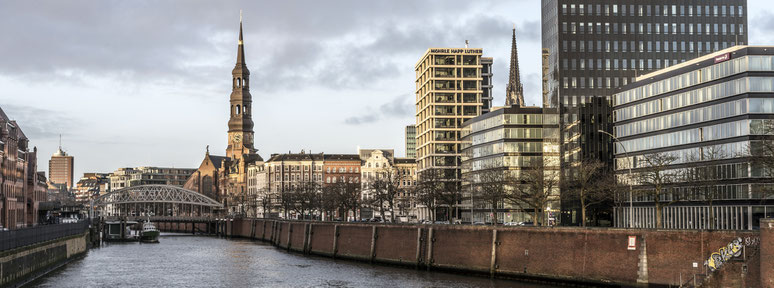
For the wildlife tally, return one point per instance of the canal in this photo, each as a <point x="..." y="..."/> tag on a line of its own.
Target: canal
<point x="198" y="261"/>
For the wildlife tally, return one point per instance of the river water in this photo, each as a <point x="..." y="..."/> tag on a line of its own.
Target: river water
<point x="199" y="261"/>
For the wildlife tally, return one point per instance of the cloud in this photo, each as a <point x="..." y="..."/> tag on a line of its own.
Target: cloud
<point x="39" y="123"/>
<point x="397" y="107"/>
<point x="359" y="120"/>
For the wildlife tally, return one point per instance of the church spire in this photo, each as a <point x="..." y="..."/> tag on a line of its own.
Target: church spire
<point x="514" y="92"/>
<point x="241" y="48"/>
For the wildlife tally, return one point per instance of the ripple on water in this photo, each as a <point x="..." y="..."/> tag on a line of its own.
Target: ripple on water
<point x="197" y="261"/>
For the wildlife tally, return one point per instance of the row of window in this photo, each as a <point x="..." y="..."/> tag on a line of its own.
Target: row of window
<point x="653" y="10"/>
<point x="642" y="46"/>
<point x="695" y="77"/>
<point x="695" y="135"/>
<point x="508" y="147"/>
<point x="690" y="155"/>
<point x="511" y="133"/>
<point x="697" y="96"/>
<point x="525" y="119"/>
<point x="607" y="28"/>
<point x="688" y="117"/>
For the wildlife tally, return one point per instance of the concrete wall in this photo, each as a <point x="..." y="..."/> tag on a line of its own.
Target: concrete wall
<point x="19" y="265"/>
<point x="664" y="257"/>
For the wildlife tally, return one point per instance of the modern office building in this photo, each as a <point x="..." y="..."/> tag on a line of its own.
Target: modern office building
<point x="596" y="46"/>
<point x="60" y="168"/>
<point x="411" y="141"/>
<point x="706" y="114"/>
<point x="509" y="140"/>
<point x="449" y="90"/>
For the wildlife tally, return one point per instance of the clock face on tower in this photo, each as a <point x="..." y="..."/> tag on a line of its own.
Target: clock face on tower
<point x="237" y="138"/>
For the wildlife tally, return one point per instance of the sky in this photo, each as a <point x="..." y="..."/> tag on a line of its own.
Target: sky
<point x="147" y="83"/>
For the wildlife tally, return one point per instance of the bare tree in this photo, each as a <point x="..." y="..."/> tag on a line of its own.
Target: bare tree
<point x="586" y="185"/>
<point x="704" y="179"/>
<point x="761" y="155"/>
<point x="534" y="188"/>
<point x="429" y="186"/>
<point x="490" y="187"/>
<point x="657" y="179"/>
<point x="386" y="188"/>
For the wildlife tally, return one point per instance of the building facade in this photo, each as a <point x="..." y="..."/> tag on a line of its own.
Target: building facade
<point x="60" y="168"/>
<point x="411" y="141"/>
<point x="509" y="140"/>
<point x="147" y="175"/>
<point x="408" y="208"/>
<point x="91" y="185"/>
<point x="19" y="195"/>
<point x="449" y="90"/>
<point x="596" y="46"/>
<point x="704" y="117"/>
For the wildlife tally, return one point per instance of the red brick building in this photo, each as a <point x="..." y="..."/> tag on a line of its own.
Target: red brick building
<point x="341" y="168"/>
<point x="19" y="199"/>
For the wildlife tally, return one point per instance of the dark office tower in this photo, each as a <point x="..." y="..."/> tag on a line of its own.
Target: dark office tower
<point x="597" y="46"/>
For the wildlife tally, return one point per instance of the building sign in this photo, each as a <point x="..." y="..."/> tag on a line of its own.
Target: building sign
<point x="632" y="243"/>
<point x="457" y="50"/>
<point x="721" y="58"/>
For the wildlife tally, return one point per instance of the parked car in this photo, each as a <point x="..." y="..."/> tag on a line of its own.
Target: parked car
<point x="479" y="223"/>
<point x="376" y="219"/>
<point x="513" y="223"/>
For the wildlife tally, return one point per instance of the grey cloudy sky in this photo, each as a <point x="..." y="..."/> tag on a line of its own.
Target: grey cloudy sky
<point x="132" y="83"/>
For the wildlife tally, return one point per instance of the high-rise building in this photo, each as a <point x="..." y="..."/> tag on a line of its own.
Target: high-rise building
<point x="449" y="90"/>
<point x="60" y="168"/>
<point x="698" y="123"/>
<point x="411" y="141"/>
<point x="595" y="47"/>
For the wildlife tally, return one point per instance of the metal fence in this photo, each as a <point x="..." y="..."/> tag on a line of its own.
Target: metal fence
<point x="13" y="239"/>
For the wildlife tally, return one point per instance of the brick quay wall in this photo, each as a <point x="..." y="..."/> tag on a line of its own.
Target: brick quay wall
<point x="591" y="255"/>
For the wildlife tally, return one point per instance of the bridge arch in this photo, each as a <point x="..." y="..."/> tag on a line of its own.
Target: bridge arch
<point x="157" y="200"/>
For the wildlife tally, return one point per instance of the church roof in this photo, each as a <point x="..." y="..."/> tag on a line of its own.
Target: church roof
<point x="216" y="160"/>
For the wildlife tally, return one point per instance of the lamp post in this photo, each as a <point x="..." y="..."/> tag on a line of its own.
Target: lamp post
<point x="631" y="163"/>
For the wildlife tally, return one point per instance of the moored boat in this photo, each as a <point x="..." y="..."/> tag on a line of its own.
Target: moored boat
<point x="149" y="233"/>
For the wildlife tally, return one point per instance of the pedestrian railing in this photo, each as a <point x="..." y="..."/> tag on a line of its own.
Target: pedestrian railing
<point x="13" y="239"/>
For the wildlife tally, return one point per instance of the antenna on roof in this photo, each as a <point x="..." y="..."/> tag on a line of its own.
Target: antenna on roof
<point x="466" y="43"/>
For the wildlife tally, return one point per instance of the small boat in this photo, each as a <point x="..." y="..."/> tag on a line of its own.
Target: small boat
<point x="149" y="233"/>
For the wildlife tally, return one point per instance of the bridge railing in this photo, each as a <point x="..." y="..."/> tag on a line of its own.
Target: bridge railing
<point x="13" y="239"/>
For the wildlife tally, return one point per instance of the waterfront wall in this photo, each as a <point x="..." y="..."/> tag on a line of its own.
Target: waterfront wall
<point x="661" y="257"/>
<point x="20" y="264"/>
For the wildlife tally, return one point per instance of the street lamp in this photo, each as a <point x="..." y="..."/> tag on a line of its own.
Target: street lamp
<point x="631" y="163"/>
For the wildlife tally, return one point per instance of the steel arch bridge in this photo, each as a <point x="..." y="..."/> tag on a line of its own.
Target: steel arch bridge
<point x="157" y="200"/>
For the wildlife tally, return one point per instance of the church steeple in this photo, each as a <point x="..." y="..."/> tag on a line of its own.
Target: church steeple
<point x="514" y="92"/>
<point x="240" y="123"/>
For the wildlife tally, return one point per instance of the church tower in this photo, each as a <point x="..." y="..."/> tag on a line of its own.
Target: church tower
<point x="514" y="92"/>
<point x="240" y="123"/>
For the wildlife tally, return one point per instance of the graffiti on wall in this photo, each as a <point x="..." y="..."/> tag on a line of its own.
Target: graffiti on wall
<point x="732" y="250"/>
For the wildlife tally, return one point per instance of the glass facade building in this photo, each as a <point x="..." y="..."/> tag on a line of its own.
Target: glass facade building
<point x="596" y="46"/>
<point x="411" y="141"/>
<point x="508" y="139"/>
<point x="717" y="103"/>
